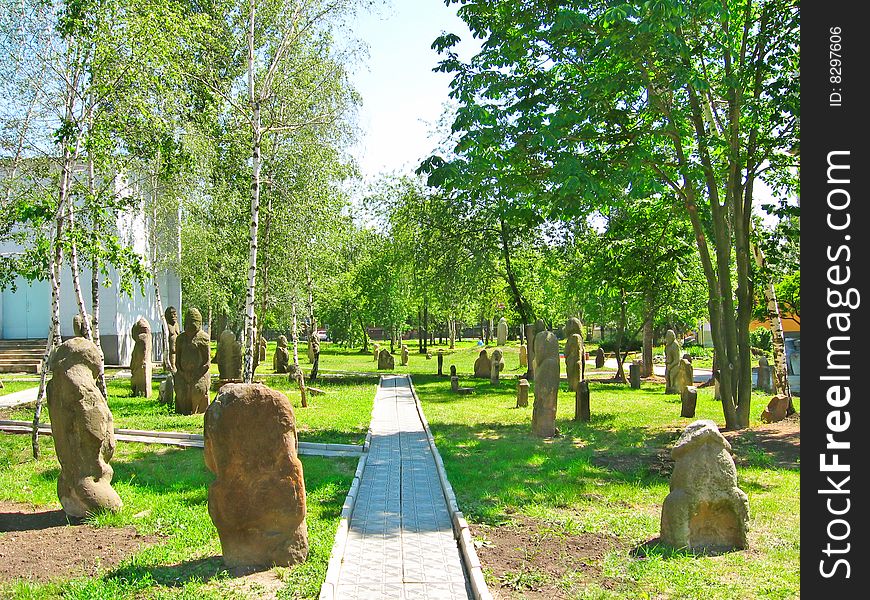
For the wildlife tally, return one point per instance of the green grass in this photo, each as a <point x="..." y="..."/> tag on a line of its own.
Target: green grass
<point x="339" y="416"/>
<point x="601" y="477"/>
<point x="10" y="387"/>
<point x="165" y="494"/>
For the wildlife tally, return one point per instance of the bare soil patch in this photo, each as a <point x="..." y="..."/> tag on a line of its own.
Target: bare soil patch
<point x="532" y="559"/>
<point x="781" y="441"/>
<point x="42" y="545"/>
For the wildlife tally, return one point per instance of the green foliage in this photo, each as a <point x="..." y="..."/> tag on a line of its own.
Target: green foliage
<point x="761" y="339"/>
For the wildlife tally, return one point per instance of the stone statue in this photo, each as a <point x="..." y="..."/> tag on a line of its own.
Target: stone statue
<point x="600" y="358"/>
<point x="404" y="355"/>
<point x="574" y="352"/>
<point x="140" y="360"/>
<point x="77" y="323"/>
<point x="531" y="332"/>
<point x="261" y="349"/>
<point x="173" y="330"/>
<point x="524" y="357"/>
<point x="705" y="510"/>
<point x="502" y="331"/>
<point x="386" y="360"/>
<point x="257" y="500"/>
<point x="193" y="357"/>
<point x="229" y="356"/>
<point x="672" y="361"/>
<point x="281" y="358"/>
<point x="82" y="430"/>
<point x="483" y="366"/>
<point x="546" y="369"/>
<point x="522" y="393"/>
<point x="496" y="365"/>
<point x="683" y="375"/>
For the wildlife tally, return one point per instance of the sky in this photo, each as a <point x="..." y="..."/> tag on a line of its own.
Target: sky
<point x="402" y="98"/>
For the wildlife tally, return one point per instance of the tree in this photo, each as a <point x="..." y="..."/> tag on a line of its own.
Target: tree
<point x="583" y="101"/>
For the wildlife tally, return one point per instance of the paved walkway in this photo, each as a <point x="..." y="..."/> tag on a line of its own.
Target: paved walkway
<point x="400" y="542"/>
<point x="16" y="398"/>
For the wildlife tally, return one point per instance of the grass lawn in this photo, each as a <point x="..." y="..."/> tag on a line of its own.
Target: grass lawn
<point x="10" y="387"/>
<point x="165" y="496"/>
<point x="339" y="416"/>
<point x="604" y="481"/>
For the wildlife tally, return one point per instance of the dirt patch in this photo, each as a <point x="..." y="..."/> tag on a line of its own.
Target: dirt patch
<point x="533" y="559"/>
<point x="42" y="545"/>
<point x="780" y="442"/>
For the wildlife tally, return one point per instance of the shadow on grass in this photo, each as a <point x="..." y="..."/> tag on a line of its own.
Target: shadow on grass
<point x="178" y="575"/>
<point x="656" y="548"/>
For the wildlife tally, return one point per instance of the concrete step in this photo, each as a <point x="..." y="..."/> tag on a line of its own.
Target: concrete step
<point x="22" y="354"/>
<point x="18" y="366"/>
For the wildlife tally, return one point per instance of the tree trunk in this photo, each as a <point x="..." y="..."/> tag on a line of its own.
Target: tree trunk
<point x="365" y="336"/>
<point x="505" y="248"/>
<point x="620" y="335"/>
<point x="780" y="369"/>
<point x="425" y="327"/>
<point x="294" y="334"/>
<point x="646" y="369"/>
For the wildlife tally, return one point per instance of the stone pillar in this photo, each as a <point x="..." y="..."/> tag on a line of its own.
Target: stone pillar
<point x="523" y="393"/>
<point x="689" y="398"/>
<point x="524" y="357"/>
<point x="172" y="330"/>
<point x="386" y="360"/>
<point x="581" y="402"/>
<point x="574" y="360"/>
<point x="546" y="369"/>
<point x="634" y="375"/>
<point x="281" y="358"/>
<point x="375" y="349"/>
<point x="404" y="355"/>
<point x="764" y="379"/>
<point x="599" y="358"/>
<point x="81" y="429"/>
<point x="454" y="383"/>
<point x="496" y="365"/>
<point x="705" y="510"/>
<point x="453" y="370"/>
<point x="440" y="362"/>
<point x="257" y="501"/>
<point x="502" y="332"/>
<point x="140" y="360"/>
<point x="229" y="356"/>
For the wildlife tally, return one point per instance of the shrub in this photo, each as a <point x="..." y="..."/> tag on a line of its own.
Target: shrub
<point x="761" y="339"/>
<point x="608" y="344"/>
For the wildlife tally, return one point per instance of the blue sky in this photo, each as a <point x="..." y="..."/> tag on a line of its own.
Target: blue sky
<point x="402" y="98"/>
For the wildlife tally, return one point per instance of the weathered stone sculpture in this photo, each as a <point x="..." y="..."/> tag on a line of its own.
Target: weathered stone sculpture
<point x="193" y="357"/>
<point x="705" y="510"/>
<point x="166" y="393"/>
<point x="524" y="357"/>
<point x="501" y="332"/>
<point x="763" y="381"/>
<point x="172" y="330"/>
<point x="281" y="358"/>
<point x="483" y="366"/>
<point x="82" y="430"/>
<point x="404" y="355"/>
<point x="257" y="501"/>
<point x="140" y="360"/>
<point x="523" y="393"/>
<point x="229" y="356"/>
<point x="454" y="383"/>
<point x="688" y="401"/>
<point x="599" y="358"/>
<point x="683" y="375"/>
<point x="377" y="349"/>
<point x="386" y="360"/>
<point x="574" y="352"/>
<point x="776" y="410"/>
<point x="672" y="361"/>
<point x="261" y="349"/>
<point x="77" y="323"/>
<point x="546" y="369"/>
<point x="496" y="365"/>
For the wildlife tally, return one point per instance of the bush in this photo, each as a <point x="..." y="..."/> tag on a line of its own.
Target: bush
<point x="696" y="351"/>
<point x="761" y="339"/>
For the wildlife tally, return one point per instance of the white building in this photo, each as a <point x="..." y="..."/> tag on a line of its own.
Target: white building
<point x="25" y="310"/>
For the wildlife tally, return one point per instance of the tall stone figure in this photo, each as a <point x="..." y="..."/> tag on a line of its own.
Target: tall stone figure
<point x="82" y="430"/>
<point x="496" y="365"/>
<point x="574" y="352"/>
<point x="281" y="358"/>
<point x="524" y="357"/>
<point x="193" y="358"/>
<point x="502" y="331"/>
<point x="140" y="360"/>
<point x="672" y="362"/>
<point x="77" y="323"/>
<point x="173" y="331"/>
<point x="705" y="510"/>
<point x="257" y="501"/>
<point x="483" y="365"/>
<point x="546" y="369"/>
<point x="404" y="355"/>
<point x="531" y="332"/>
<point x="229" y="356"/>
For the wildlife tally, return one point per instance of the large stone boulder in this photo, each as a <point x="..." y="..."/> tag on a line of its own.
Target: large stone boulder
<point x="496" y="365"/>
<point x="574" y="359"/>
<point x="229" y="356"/>
<point x="546" y="369"/>
<point x="257" y="501"/>
<point x="173" y="330"/>
<point x="82" y="429"/>
<point x="386" y="360"/>
<point x="483" y="365"/>
<point x="193" y="358"/>
<point x="281" y="358"/>
<point x="705" y="510"/>
<point x="140" y="360"/>
<point x="501" y="332"/>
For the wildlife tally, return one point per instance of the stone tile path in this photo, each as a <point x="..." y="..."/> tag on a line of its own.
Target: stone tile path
<point x="400" y="542"/>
